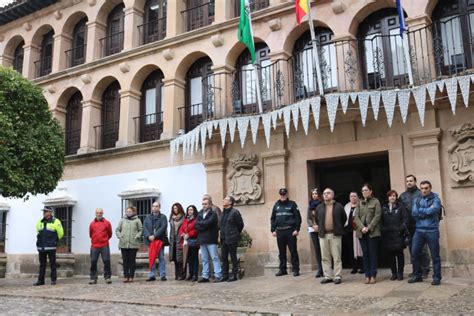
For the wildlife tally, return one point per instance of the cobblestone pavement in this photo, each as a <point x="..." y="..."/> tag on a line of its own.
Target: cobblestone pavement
<point x="262" y="295"/>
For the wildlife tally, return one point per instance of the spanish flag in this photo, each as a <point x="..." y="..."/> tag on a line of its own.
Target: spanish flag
<point x="301" y="9"/>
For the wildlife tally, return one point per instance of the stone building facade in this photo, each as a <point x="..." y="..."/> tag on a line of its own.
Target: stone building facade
<point x="125" y="78"/>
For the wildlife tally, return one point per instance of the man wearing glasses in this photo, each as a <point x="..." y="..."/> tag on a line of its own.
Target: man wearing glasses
<point x="426" y="211"/>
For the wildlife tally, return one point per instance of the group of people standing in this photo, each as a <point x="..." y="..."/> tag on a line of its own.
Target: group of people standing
<point x="364" y="225"/>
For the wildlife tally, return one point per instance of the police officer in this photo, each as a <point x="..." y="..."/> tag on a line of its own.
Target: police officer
<point x="285" y="226"/>
<point x="49" y="231"/>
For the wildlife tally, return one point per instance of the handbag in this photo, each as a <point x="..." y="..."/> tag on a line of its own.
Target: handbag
<point x="193" y="243"/>
<point x="166" y="241"/>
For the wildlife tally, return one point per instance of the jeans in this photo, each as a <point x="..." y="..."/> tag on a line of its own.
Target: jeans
<point x="331" y="246"/>
<point x="161" y="258"/>
<point x="432" y="239"/>
<point x="193" y="261"/>
<point x="105" y="253"/>
<point x="397" y="262"/>
<point x="129" y="258"/>
<point x="52" y="262"/>
<point x="369" y="249"/>
<point x="317" y="250"/>
<point x="229" y="249"/>
<point x="206" y="251"/>
<point x="425" y="256"/>
<point x="285" y="239"/>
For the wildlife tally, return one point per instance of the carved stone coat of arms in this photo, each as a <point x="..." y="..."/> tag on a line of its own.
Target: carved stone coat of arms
<point x="461" y="155"/>
<point x="244" y="179"/>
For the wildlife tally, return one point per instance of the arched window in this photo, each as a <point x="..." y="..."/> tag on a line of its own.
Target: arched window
<point x="306" y="83"/>
<point x="113" y="42"/>
<point x="245" y="101"/>
<point x="151" y="115"/>
<point x="453" y="30"/>
<point x="383" y="60"/>
<point x="110" y="116"/>
<point x="18" y="57"/>
<point x="73" y="123"/>
<point x="154" y="28"/>
<point x="198" y="13"/>
<point x="199" y="102"/>
<point x="45" y="64"/>
<point x="77" y="54"/>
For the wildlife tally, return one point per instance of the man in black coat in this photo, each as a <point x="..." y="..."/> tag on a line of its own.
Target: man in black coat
<point x="208" y="232"/>
<point x="155" y="227"/>
<point x="231" y="227"/>
<point x="285" y="226"/>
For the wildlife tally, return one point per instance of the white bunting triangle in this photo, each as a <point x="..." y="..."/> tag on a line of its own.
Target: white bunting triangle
<point x="274" y="118"/>
<point x="185" y="144"/>
<point x="196" y="139"/>
<point x="209" y="129"/>
<point x="389" y="99"/>
<point x="243" y="126"/>
<point x="464" y="85"/>
<point x="223" y="131"/>
<point x="232" y="124"/>
<point x="287" y="119"/>
<point x="332" y="101"/>
<point x="254" y="121"/>
<point x="316" y="109"/>
<point x="419" y="93"/>
<point x="203" y="136"/>
<point x="344" y="97"/>
<point x="267" y="121"/>
<point x="403" y="101"/>
<point x="431" y="87"/>
<point x="215" y="124"/>
<point x="304" y="110"/>
<point x="363" y="105"/>
<point x="452" y="90"/>
<point x="375" y="101"/>
<point x="295" y="115"/>
<point x="353" y="96"/>
<point x="440" y="84"/>
<point x="192" y="140"/>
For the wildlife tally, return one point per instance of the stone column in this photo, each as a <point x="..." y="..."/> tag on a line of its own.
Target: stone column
<point x="30" y="55"/>
<point x="129" y="109"/>
<point x="61" y="41"/>
<point x="174" y="19"/>
<point x="173" y="99"/>
<point x="95" y="31"/>
<point x="133" y="18"/>
<point x="90" y="117"/>
<point x="6" y="60"/>
<point x="224" y="11"/>
<point x="215" y="164"/>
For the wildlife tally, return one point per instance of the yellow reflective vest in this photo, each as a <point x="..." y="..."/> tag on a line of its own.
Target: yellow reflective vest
<point x="48" y="233"/>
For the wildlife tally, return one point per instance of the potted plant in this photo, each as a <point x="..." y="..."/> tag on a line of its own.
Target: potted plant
<point x="245" y="242"/>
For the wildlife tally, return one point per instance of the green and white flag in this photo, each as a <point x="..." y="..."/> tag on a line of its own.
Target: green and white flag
<point x="244" y="33"/>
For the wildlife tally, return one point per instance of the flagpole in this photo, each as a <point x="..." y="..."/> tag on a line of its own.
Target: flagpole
<point x="259" y="96"/>
<point x="407" y="56"/>
<point x="315" y="51"/>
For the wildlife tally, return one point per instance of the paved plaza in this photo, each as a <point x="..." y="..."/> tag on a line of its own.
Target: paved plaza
<point x="258" y="295"/>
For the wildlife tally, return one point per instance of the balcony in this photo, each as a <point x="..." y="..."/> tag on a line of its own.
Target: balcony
<point x="199" y="16"/>
<point x="111" y="44"/>
<point x="76" y="56"/>
<point x="73" y="141"/>
<point x="148" y="127"/>
<point x="152" y="31"/>
<point x="255" y="5"/>
<point x="43" y="66"/>
<point x="106" y="135"/>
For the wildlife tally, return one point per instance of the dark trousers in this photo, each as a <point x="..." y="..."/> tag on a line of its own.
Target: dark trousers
<point x="317" y="250"/>
<point x="193" y="261"/>
<point x="105" y="253"/>
<point x="397" y="261"/>
<point x="285" y="239"/>
<point x="432" y="239"/>
<point x="369" y="249"/>
<point x="43" y="255"/>
<point x="179" y="270"/>
<point x="226" y="250"/>
<point x="129" y="257"/>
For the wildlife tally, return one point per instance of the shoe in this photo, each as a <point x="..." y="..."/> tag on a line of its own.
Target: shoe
<point x="319" y="274"/>
<point x="372" y="280"/>
<point x="400" y="277"/>
<point x="163" y="278"/>
<point x="109" y="281"/>
<point x="203" y="280"/>
<point x="189" y="278"/>
<point x="424" y="275"/>
<point x="38" y="283"/>
<point x="410" y="275"/>
<point x="367" y="280"/>
<point x="280" y="273"/>
<point x="129" y="280"/>
<point x="361" y="271"/>
<point x="232" y="278"/>
<point x="436" y="282"/>
<point x="53" y="282"/>
<point x="194" y="279"/>
<point x="218" y="280"/>
<point x="393" y="277"/>
<point x="337" y="281"/>
<point x="415" y="280"/>
<point x="296" y="273"/>
<point x="225" y="278"/>
<point x="93" y="282"/>
<point x="326" y="280"/>
<point x="150" y="279"/>
<point x="353" y="271"/>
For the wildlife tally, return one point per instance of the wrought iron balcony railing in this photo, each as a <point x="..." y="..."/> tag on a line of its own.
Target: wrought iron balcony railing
<point x="199" y="16"/>
<point x="111" y="44"/>
<point x="106" y="135"/>
<point x="76" y="56"/>
<point x="148" y="127"/>
<point x="43" y="66"/>
<point x="152" y="31"/>
<point x="73" y="141"/>
<point x="255" y="5"/>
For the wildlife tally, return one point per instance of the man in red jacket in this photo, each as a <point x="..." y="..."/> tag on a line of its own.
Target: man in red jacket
<point x="100" y="232"/>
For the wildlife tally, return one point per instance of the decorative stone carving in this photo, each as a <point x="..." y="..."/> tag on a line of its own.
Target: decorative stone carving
<point x="217" y="40"/>
<point x="274" y="24"/>
<point x="91" y="2"/>
<point x="124" y="67"/>
<point x="86" y="79"/>
<point x="140" y="189"/>
<point x="58" y="14"/>
<point x="168" y="54"/>
<point x="27" y="26"/>
<point x="245" y="179"/>
<point x="338" y="7"/>
<point x="51" y="89"/>
<point x="461" y="155"/>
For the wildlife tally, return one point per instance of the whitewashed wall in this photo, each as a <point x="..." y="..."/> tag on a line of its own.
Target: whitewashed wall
<point x="184" y="184"/>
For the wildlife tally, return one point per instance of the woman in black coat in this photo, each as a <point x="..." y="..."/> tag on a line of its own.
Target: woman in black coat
<point x="393" y="226"/>
<point x="311" y="220"/>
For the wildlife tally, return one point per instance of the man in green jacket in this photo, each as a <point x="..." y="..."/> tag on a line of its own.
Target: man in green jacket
<point x="49" y="231"/>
